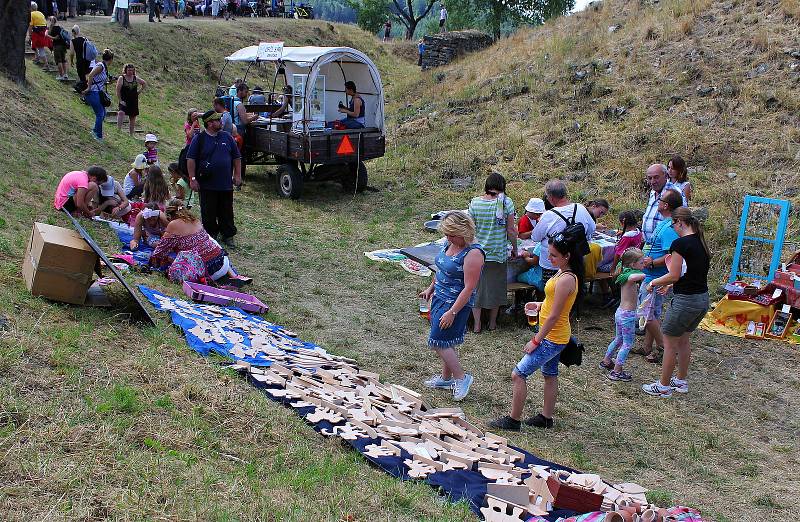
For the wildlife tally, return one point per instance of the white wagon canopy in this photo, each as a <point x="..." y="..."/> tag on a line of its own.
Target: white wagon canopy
<point x="317" y="75"/>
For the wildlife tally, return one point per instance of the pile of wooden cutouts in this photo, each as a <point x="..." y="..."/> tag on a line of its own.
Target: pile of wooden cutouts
<point x="437" y="439"/>
<point x="356" y="405"/>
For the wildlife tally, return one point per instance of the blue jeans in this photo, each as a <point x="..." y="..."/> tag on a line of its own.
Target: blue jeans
<point x="93" y="99"/>
<point x="546" y="356"/>
<point x="352" y="123"/>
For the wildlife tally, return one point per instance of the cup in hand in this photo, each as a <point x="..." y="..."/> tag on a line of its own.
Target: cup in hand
<point x="532" y="313"/>
<point x="424" y="308"/>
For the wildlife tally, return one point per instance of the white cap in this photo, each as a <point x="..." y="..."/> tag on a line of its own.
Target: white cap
<point x="150" y="137"/>
<point x="107" y="188"/>
<point x="535" y="205"/>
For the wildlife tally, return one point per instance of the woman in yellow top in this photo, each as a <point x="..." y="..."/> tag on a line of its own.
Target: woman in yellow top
<point x="543" y="351"/>
<point x="37" y="32"/>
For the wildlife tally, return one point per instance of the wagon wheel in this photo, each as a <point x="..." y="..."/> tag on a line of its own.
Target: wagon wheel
<point x="289" y="181"/>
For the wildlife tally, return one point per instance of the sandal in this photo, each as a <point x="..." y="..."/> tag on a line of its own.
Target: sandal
<point x="655" y="356"/>
<point x="637" y="350"/>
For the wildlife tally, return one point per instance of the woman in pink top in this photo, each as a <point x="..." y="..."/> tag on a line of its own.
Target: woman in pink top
<point x="78" y="188"/>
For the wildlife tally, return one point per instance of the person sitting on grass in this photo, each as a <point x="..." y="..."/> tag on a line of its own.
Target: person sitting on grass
<point x="185" y="233"/>
<point x="156" y="189"/>
<point x="180" y="184"/>
<point x="113" y="200"/>
<point x="77" y="189"/>
<point x="544" y="350"/>
<point x="452" y="291"/>
<point x="355" y="110"/>
<point x="133" y="184"/>
<point x="149" y="226"/>
<point x="628" y="279"/>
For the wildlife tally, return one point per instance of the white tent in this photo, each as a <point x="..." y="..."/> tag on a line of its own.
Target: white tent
<point x="337" y="64"/>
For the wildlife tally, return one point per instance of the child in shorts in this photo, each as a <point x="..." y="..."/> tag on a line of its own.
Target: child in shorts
<point x="629" y="275"/>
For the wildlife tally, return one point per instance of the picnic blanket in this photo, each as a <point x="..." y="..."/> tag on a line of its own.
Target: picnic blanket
<point x="125" y="233"/>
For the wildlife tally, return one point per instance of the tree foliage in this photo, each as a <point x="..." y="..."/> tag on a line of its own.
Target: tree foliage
<point x="370" y="14"/>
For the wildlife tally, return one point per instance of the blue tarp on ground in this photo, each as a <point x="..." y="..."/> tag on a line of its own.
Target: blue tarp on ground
<point x="125" y="233"/>
<point x="223" y="349"/>
<point x="456" y="484"/>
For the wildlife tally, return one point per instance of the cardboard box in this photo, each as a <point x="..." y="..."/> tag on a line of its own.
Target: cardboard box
<point x="58" y="264"/>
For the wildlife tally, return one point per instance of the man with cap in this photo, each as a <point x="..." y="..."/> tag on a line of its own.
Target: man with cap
<point x="215" y="166"/>
<point x="533" y="211"/>
<point x="112" y="199"/>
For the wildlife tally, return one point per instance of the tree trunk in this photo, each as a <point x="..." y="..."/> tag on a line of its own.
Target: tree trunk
<point x="14" y="21"/>
<point x="411" y="27"/>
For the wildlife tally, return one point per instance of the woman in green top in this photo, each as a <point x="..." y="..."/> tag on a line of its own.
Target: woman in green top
<point x="180" y="184"/>
<point x="495" y="222"/>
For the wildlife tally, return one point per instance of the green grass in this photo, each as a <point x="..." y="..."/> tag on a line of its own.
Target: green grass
<point x="106" y="419"/>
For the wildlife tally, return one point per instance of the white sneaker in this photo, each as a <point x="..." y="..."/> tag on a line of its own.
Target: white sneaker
<point x="679" y="386"/>
<point x="461" y="387"/>
<point x="655" y="389"/>
<point x="437" y="381"/>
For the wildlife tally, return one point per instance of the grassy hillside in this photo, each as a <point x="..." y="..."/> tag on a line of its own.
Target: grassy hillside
<point x="100" y="418"/>
<point x="598" y="96"/>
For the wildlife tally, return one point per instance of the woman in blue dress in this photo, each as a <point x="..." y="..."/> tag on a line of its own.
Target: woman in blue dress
<point x="459" y="266"/>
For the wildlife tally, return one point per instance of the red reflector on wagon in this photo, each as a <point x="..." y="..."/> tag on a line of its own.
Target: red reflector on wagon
<point x="345" y="147"/>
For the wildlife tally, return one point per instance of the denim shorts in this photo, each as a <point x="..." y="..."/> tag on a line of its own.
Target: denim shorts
<point x="545" y="356"/>
<point x="684" y="313"/>
<point x="658" y="301"/>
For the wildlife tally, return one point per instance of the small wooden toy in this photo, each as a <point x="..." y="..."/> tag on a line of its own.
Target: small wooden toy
<point x="501" y="511"/>
<point x="418" y="469"/>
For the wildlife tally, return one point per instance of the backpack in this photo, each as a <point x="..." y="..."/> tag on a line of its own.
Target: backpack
<point x="89" y="50"/>
<point x="572" y="354"/>
<point x="574" y="232"/>
<point x="66" y="36"/>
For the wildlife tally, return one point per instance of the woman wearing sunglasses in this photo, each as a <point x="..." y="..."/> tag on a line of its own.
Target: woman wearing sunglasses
<point x="544" y="350"/>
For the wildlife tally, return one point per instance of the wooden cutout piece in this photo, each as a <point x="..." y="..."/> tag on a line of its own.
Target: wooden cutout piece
<point x="418" y="469"/>
<point x="321" y="414"/>
<point x="498" y="510"/>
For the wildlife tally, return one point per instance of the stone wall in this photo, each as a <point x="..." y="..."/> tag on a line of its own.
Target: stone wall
<point x="443" y="48"/>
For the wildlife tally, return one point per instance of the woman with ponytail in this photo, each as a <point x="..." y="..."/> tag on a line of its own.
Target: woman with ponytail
<point x="543" y="351"/>
<point x="688" y="265"/>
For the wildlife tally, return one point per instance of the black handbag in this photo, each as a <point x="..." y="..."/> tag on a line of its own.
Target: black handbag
<point x="572" y="354"/>
<point x="105" y="98"/>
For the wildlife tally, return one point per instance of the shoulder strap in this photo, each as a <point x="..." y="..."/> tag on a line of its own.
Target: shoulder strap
<point x="559" y="214"/>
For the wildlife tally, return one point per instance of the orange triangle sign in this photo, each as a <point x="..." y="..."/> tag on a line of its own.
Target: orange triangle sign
<point x="345" y="147"/>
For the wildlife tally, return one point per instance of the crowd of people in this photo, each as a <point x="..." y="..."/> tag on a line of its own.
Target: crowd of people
<point x="660" y="254"/>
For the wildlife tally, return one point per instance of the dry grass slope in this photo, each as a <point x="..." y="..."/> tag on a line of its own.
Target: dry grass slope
<point x="709" y="80"/>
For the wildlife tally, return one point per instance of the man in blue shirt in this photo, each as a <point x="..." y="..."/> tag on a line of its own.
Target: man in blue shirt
<point x="215" y="166"/>
<point x="655" y="250"/>
<point x="658" y="179"/>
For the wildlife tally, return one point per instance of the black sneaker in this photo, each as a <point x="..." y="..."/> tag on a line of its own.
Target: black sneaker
<point x="540" y="421"/>
<point x="506" y="423"/>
